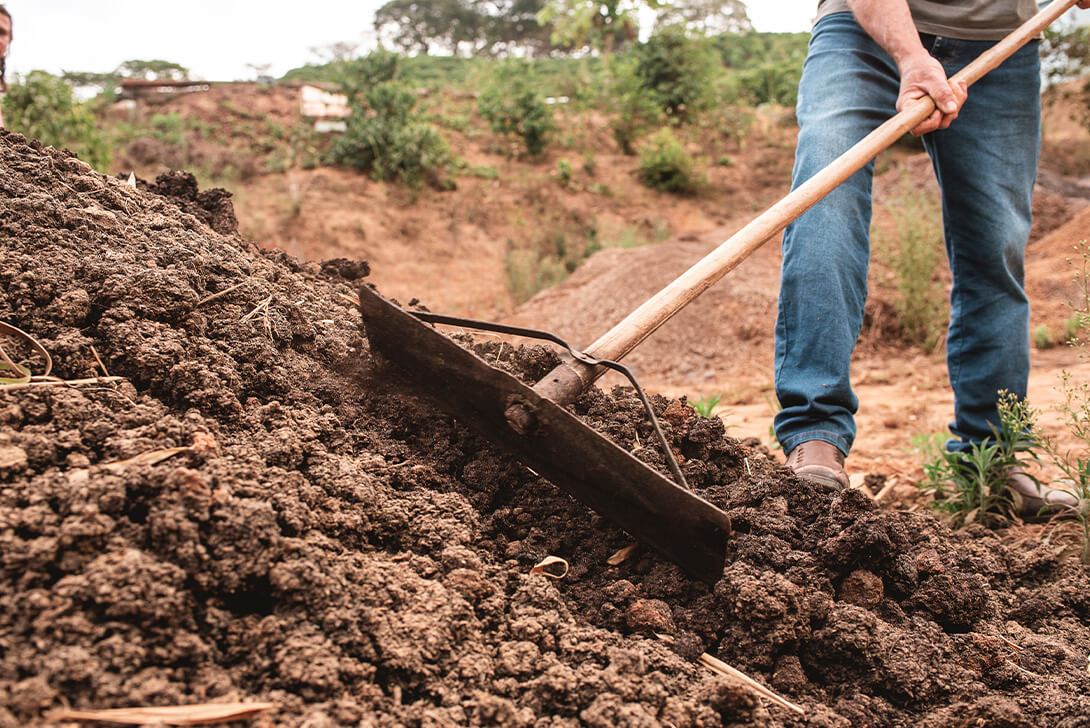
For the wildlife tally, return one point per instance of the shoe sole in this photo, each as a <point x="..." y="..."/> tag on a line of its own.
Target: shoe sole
<point x="828" y="481"/>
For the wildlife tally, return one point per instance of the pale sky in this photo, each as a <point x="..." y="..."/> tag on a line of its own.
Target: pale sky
<point x="216" y="39"/>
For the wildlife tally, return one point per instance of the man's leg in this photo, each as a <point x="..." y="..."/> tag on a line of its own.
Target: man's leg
<point x="849" y="87"/>
<point x="986" y="164"/>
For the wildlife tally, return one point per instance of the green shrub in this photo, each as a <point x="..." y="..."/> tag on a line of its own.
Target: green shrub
<point x="512" y="104"/>
<point x="677" y="70"/>
<point x="386" y="139"/>
<point x="563" y="172"/>
<point x="776" y="83"/>
<point x="914" y="253"/>
<point x="665" y="165"/>
<point x="1042" y="339"/>
<point x="971" y="486"/>
<point x="634" y="108"/>
<point x="43" y="107"/>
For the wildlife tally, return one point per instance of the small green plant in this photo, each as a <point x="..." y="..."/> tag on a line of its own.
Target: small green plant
<point x="773" y="404"/>
<point x="970" y="486"/>
<point x="529" y="271"/>
<point x="482" y="171"/>
<point x="914" y="253"/>
<point x="590" y="164"/>
<point x="706" y="404"/>
<point x="512" y="104"/>
<point x="1042" y="339"/>
<point x="1072" y="327"/>
<point x="665" y="165"/>
<point x="564" y="172"/>
<point x="1075" y="412"/>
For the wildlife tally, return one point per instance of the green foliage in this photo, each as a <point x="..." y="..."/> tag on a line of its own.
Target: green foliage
<point x="914" y="253"/>
<point x="386" y="139"/>
<point x="43" y="107"/>
<point x="528" y="271"/>
<point x="706" y="17"/>
<point x="153" y="70"/>
<point x="1065" y="52"/>
<point x="512" y="104"/>
<point x="749" y="50"/>
<point x="635" y="109"/>
<point x="677" y="70"/>
<point x="563" y="172"/>
<point x="706" y="404"/>
<point x="971" y="486"/>
<point x="358" y="76"/>
<point x="775" y="83"/>
<point x="590" y="164"/>
<point x="463" y="26"/>
<point x="766" y="66"/>
<point x="605" y="25"/>
<point x="666" y="166"/>
<point x="1042" y="339"/>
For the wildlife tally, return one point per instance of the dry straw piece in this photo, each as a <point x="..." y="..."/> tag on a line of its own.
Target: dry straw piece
<point x="622" y="555"/>
<point x="203" y="714"/>
<point x="6" y="363"/>
<point x="542" y="567"/>
<point x="717" y="665"/>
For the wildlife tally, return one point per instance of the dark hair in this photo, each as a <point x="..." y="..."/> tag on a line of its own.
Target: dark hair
<point x="3" y="63"/>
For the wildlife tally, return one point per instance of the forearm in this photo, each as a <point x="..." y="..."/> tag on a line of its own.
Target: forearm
<point x="889" y="23"/>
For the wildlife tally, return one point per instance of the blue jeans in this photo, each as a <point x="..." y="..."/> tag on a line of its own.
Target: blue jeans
<point x="986" y="165"/>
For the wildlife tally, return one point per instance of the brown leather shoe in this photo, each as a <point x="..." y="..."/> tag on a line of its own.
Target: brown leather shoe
<point x="819" y="462"/>
<point x="1035" y="501"/>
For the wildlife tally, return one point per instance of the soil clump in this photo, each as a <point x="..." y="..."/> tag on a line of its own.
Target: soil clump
<point x="259" y="511"/>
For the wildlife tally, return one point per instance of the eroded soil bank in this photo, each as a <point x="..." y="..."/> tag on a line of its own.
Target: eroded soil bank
<point x="327" y="542"/>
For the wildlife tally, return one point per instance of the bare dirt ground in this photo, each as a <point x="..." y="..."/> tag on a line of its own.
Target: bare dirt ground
<point x="449" y="248"/>
<point x="259" y="512"/>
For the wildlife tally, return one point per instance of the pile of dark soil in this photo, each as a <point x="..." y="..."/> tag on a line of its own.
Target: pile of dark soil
<point x="327" y="542"/>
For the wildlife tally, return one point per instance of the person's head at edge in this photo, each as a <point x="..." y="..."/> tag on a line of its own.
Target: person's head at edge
<point x="5" y="39"/>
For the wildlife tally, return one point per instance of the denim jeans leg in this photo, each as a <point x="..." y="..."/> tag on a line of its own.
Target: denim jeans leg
<point x="849" y="87"/>
<point x="986" y="164"/>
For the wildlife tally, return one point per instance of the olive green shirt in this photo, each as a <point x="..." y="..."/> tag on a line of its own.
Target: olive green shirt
<point x="962" y="19"/>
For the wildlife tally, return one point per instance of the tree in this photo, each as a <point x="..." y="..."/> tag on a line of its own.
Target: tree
<point x="43" y="107"/>
<point x="155" y="70"/>
<point x="421" y="25"/>
<point x="512" y="25"/>
<point x="466" y="27"/>
<point x="106" y="83"/>
<point x="708" y="17"/>
<point x="602" y="24"/>
<point x="1065" y="55"/>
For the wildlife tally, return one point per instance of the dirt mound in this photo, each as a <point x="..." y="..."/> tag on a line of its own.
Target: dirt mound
<point x="294" y="528"/>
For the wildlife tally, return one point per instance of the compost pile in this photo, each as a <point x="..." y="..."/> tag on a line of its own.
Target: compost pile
<point x="258" y="512"/>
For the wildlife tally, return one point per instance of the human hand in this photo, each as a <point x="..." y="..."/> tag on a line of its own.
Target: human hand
<point x="924" y="76"/>
<point x="1084" y="4"/>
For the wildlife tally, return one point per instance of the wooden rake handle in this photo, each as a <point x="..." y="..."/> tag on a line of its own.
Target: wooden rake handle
<point x="653" y="313"/>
